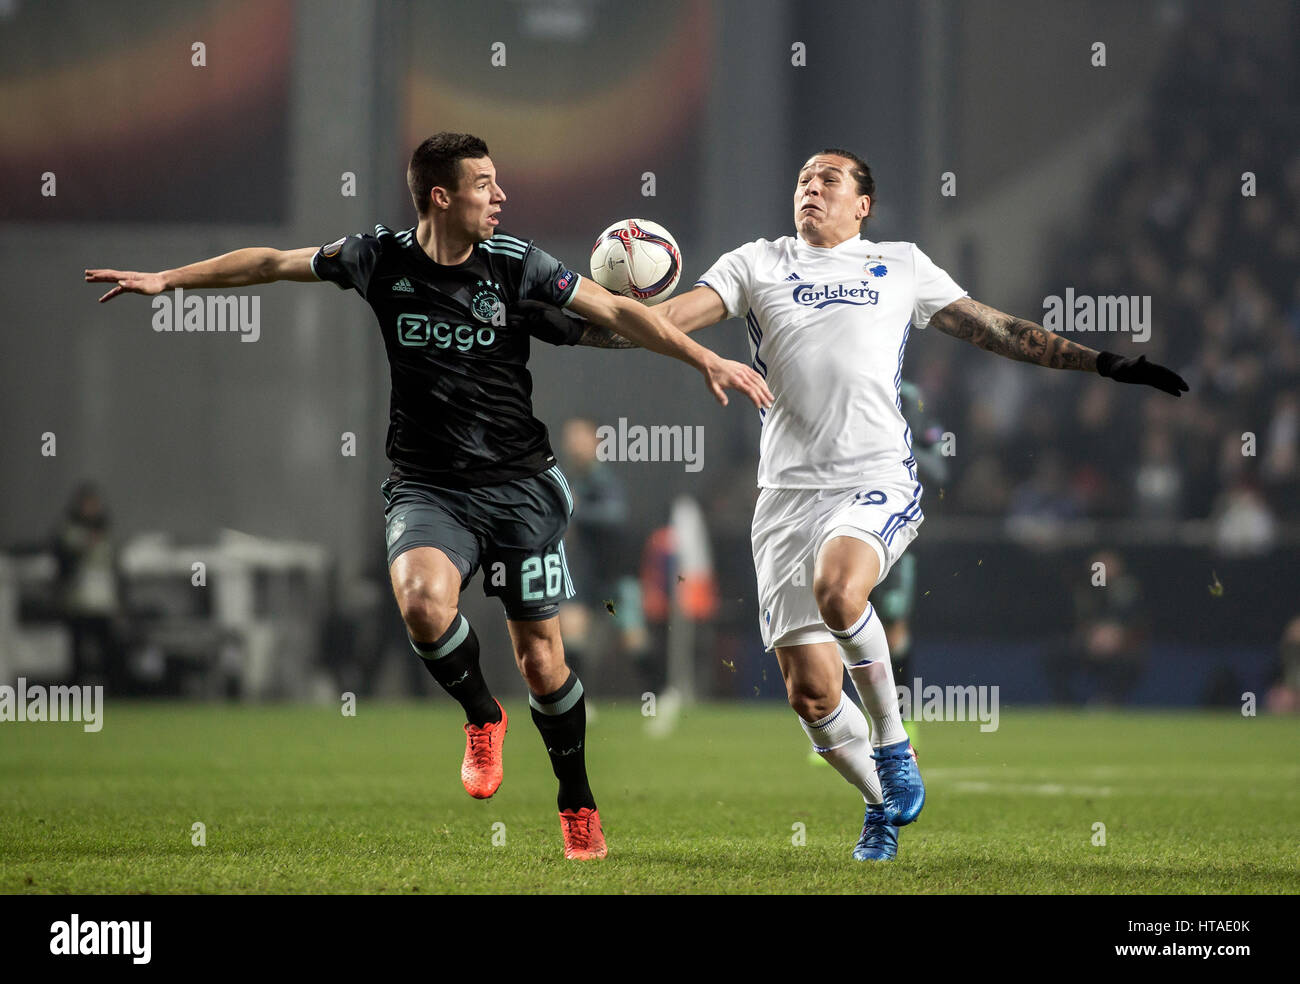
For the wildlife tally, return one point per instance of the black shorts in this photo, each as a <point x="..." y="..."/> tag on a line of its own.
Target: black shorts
<point x="514" y="531"/>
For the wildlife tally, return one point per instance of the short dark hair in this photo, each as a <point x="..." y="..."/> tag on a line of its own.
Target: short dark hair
<point x="436" y="163"/>
<point x="860" y="171"/>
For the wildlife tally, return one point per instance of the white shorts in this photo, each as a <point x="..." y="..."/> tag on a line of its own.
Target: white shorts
<point x="790" y="526"/>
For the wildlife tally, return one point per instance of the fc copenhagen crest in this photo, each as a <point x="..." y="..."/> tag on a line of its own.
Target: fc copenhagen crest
<point x="875" y="266"/>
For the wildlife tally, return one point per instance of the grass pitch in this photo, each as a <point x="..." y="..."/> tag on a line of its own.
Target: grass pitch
<point x="299" y="799"/>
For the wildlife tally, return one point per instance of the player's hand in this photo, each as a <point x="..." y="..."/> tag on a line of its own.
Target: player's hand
<point x="128" y="282"/>
<point x="1139" y="370"/>
<point x="724" y="374"/>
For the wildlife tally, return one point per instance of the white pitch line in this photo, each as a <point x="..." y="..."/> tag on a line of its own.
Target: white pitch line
<point x="1037" y="789"/>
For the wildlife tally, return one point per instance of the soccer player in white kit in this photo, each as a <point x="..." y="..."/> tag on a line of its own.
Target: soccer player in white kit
<point x="828" y="315"/>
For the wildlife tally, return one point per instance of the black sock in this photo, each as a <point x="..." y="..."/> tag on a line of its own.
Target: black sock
<point x="561" y="717"/>
<point x="452" y="660"/>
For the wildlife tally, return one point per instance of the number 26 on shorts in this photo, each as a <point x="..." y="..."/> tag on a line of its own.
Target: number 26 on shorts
<point x="533" y="570"/>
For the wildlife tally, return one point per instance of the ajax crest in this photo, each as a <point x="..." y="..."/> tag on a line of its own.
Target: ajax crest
<point x="486" y="305"/>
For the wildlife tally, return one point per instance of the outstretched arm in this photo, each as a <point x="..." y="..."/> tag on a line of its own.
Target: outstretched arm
<point x="690" y="312"/>
<point x="649" y="328"/>
<point x="1002" y="334"/>
<point x="596" y="336"/>
<point x="242" y="268"/>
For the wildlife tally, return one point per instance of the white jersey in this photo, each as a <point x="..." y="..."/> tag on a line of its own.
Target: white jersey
<point x="827" y="329"/>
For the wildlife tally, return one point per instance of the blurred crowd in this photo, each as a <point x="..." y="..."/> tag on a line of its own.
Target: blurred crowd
<point x="1175" y="217"/>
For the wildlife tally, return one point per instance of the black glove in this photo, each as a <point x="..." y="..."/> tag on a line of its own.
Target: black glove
<point x="1139" y="370"/>
<point x="546" y="322"/>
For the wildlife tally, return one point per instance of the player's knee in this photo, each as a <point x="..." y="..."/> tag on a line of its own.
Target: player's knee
<point x="536" y="652"/>
<point x="426" y="614"/>
<point x="537" y="680"/>
<point x="812" y="705"/>
<point x="840" y="600"/>
<point x="539" y="659"/>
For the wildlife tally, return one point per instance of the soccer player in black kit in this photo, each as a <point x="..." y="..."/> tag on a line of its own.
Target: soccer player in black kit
<point x="474" y="481"/>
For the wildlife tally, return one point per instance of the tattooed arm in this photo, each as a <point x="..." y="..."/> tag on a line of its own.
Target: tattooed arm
<point x="999" y="333"/>
<point x="695" y="309"/>
<point x="1024" y="341"/>
<point x="550" y="324"/>
<point x="598" y="337"/>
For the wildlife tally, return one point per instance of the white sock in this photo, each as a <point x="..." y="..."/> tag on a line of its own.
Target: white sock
<point x="843" y="739"/>
<point x="866" y="654"/>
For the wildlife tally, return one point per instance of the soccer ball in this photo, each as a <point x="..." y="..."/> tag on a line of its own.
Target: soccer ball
<point x="638" y="259"/>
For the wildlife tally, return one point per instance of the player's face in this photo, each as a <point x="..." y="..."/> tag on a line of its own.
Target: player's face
<point x="476" y="203"/>
<point x="827" y="206"/>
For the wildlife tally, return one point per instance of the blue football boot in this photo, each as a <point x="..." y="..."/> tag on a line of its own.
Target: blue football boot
<point x="900" y="782"/>
<point x="879" y="840"/>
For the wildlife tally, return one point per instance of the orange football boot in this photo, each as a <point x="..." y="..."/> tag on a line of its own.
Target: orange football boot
<point x="480" y="771"/>
<point x="583" y="838"/>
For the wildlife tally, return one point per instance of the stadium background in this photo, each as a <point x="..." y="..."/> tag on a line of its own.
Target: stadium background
<point x="1123" y="179"/>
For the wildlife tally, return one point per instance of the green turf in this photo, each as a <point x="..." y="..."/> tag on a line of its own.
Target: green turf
<point x="302" y="799"/>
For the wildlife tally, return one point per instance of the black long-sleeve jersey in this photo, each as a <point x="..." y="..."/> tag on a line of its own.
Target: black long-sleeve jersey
<point x="461" y="411"/>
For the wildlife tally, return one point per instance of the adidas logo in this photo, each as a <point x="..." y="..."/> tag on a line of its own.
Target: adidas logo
<point x="794" y="276"/>
<point x="403" y="286"/>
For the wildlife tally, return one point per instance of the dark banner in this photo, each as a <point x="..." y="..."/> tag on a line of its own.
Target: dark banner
<point x="145" y="110"/>
<point x="592" y="113"/>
